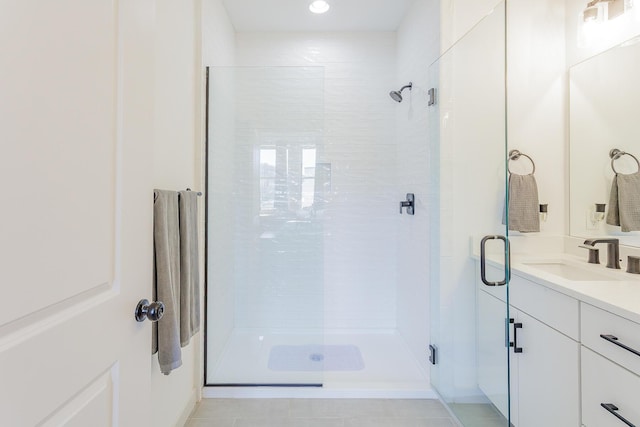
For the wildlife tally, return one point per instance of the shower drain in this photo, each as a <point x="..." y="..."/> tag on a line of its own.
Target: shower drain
<point x="316" y="357"/>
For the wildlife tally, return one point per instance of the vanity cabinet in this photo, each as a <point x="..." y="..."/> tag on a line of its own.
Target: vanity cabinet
<point x="545" y="375"/>
<point x="610" y="372"/>
<point x="545" y="388"/>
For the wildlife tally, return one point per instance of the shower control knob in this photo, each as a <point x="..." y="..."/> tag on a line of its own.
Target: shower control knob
<point x="152" y="311"/>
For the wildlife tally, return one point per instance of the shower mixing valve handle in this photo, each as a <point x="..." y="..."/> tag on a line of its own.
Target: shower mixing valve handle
<point x="409" y="204"/>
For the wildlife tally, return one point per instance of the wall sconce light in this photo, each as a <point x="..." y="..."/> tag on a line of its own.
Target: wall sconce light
<point x="603" y="10"/>
<point x="597" y="21"/>
<point x="591" y="13"/>
<point x="544" y="212"/>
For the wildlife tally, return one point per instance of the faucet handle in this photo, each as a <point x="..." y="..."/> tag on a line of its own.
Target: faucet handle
<point x="633" y="264"/>
<point x="594" y="254"/>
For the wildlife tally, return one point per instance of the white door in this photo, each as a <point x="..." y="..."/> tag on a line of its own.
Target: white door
<point x="76" y="124"/>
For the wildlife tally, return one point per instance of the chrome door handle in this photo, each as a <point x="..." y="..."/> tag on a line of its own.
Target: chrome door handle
<point x="152" y="311"/>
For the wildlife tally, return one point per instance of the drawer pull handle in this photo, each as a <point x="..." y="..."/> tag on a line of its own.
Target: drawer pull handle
<point x="612" y="410"/>
<point x="614" y="340"/>
<point x="514" y="344"/>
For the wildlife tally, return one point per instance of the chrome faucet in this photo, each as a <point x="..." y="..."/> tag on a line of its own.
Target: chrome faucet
<point x="613" y="250"/>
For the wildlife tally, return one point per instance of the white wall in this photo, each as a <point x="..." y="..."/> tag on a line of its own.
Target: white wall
<point x="458" y="17"/>
<point x="218" y="35"/>
<point x="218" y="51"/>
<point x="537" y="101"/>
<point x="418" y="47"/>
<point x="359" y="142"/>
<point x="176" y="126"/>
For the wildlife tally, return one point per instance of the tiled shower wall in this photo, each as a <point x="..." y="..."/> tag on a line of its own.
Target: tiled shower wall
<point x="359" y="258"/>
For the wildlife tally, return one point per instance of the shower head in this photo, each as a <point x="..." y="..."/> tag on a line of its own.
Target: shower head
<point x="396" y="95"/>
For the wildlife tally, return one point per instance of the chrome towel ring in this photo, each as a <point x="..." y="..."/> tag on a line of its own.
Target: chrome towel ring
<point x="515" y="155"/>
<point x="615" y="154"/>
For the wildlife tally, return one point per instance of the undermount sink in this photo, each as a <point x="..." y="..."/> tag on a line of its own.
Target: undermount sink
<point x="571" y="271"/>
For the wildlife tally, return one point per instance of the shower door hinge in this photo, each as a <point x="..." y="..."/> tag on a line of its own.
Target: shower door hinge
<point x="432" y="96"/>
<point x="433" y="354"/>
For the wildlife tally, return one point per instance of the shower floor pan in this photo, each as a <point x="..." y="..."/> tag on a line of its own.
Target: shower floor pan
<point x="376" y="361"/>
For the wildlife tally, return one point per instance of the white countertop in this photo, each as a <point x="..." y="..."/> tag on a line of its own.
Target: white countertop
<point x="620" y="296"/>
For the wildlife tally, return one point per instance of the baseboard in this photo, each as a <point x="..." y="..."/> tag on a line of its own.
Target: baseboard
<point x="188" y="409"/>
<point x="313" y="393"/>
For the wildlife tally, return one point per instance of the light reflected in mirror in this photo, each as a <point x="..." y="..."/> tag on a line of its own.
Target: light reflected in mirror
<point x="604" y="113"/>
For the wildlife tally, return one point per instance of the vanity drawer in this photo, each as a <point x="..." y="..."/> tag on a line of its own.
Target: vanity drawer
<point x="552" y="308"/>
<point x="597" y="322"/>
<point x="604" y="382"/>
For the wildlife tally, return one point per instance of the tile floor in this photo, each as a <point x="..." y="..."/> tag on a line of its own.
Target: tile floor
<point x="478" y="415"/>
<point x="319" y="413"/>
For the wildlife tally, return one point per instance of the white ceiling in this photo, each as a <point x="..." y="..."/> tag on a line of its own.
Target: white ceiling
<point x="294" y="15"/>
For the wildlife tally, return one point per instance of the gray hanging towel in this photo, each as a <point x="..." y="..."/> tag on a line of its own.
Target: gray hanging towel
<point x="524" y="207"/>
<point x="624" y="202"/>
<point x="189" y="267"/>
<point x="166" y="242"/>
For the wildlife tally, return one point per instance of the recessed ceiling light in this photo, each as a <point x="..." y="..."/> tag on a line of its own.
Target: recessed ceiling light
<point x="319" y="6"/>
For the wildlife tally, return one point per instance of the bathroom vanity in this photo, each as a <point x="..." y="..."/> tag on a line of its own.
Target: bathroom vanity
<point x="574" y="333"/>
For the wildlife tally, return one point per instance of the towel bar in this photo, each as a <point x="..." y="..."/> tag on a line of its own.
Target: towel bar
<point x="515" y="155"/>
<point x="615" y="154"/>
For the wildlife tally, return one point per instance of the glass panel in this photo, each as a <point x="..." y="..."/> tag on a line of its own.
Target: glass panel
<point x="266" y="243"/>
<point x="302" y="232"/>
<point x="469" y="150"/>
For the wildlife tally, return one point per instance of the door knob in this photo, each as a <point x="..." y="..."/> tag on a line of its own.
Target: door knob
<point x="152" y="311"/>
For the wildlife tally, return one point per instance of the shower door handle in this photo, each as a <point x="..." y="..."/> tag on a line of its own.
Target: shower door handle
<point x="483" y="261"/>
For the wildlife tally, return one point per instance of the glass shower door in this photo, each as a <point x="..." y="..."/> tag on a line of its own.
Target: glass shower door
<point x="469" y="282"/>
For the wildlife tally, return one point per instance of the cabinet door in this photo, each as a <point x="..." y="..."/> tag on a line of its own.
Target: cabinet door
<point x="492" y="351"/>
<point x="604" y="382"/>
<point x="548" y="375"/>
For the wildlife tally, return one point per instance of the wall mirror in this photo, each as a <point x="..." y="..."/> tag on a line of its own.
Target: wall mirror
<point x="604" y="114"/>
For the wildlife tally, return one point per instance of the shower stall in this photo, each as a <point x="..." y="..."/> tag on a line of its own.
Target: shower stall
<point x="316" y="275"/>
<point x="302" y="230"/>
